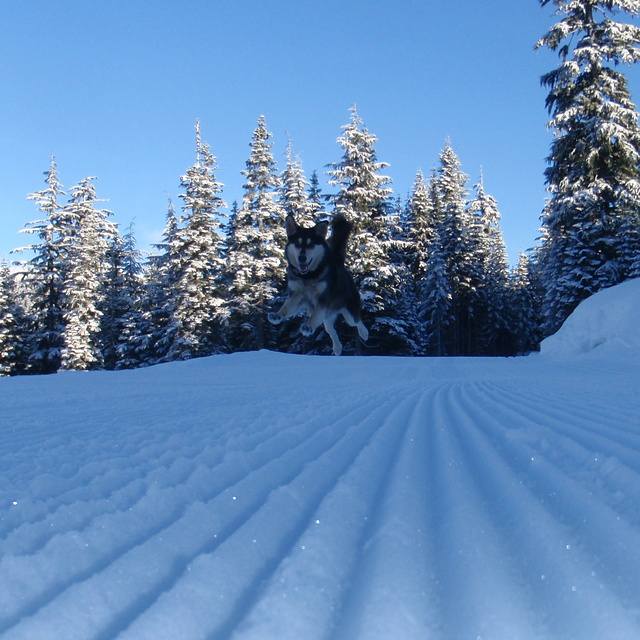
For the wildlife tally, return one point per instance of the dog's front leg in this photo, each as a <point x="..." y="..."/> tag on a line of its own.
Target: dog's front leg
<point x="290" y="308"/>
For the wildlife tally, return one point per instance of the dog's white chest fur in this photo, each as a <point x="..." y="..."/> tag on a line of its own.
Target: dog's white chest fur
<point x="309" y="291"/>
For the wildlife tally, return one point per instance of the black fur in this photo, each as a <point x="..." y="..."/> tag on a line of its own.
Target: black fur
<point x="340" y="231"/>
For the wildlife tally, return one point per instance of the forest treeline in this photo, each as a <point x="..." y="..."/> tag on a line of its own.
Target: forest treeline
<point x="432" y="270"/>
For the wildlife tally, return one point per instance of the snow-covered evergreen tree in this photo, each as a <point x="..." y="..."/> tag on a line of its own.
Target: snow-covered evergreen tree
<point x="404" y="335"/>
<point x="315" y="196"/>
<point x="294" y="191"/>
<point x="363" y="195"/>
<point x="422" y="236"/>
<point x="197" y="294"/>
<point x="255" y="254"/>
<point x="591" y="224"/>
<point x="154" y="330"/>
<point x="435" y="292"/>
<point x="459" y="264"/>
<point x="490" y="308"/>
<point x="85" y="269"/>
<point x="525" y="322"/>
<point x="459" y="255"/>
<point x="363" y="198"/>
<point x="44" y="274"/>
<point x="12" y="348"/>
<point x="121" y="299"/>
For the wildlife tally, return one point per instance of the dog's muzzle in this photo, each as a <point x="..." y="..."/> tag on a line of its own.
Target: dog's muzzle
<point x="303" y="265"/>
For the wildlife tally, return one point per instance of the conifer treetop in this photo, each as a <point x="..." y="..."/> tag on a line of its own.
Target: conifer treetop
<point x="603" y="41"/>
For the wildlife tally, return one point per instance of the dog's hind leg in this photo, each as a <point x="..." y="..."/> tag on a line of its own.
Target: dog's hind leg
<point x="333" y="334"/>
<point x="363" y="332"/>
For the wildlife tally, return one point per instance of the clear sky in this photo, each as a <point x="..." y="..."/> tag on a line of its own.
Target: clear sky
<point x="114" y="89"/>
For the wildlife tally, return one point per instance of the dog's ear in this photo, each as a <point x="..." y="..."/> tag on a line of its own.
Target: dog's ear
<point x="321" y="228"/>
<point x="290" y="225"/>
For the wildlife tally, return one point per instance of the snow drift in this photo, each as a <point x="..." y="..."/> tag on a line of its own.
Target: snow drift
<point x="268" y="496"/>
<point x="610" y="319"/>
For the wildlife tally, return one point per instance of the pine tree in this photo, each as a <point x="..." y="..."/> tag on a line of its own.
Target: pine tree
<point x="435" y="291"/>
<point x="459" y="248"/>
<point x="155" y="329"/>
<point x="490" y="309"/>
<point x="591" y="224"/>
<point x="363" y="198"/>
<point x="422" y="224"/>
<point x="294" y="191"/>
<point x="197" y="297"/>
<point x="45" y="275"/>
<point x="525" y="324"/>
<point x="404" y="335"/>
<point x="85" y="269"/>
<point x="121" y="300"/>
<point x="12" y="348"/>
<point x="256" y="248"/>
<point x="315" y="196"/>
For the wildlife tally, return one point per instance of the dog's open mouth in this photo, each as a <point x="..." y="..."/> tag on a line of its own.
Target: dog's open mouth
<point x="303" y="267"/>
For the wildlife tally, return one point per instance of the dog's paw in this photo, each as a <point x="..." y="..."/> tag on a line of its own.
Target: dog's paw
<point x="306" y="329"/>
<point x="274" y="318"/>
<point x="363" y="332"/>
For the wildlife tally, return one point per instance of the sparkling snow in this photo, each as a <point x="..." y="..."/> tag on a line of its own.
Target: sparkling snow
<point x="269" y="496"/>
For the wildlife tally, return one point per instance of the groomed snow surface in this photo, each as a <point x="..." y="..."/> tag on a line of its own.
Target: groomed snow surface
<point x="267" y="496"/>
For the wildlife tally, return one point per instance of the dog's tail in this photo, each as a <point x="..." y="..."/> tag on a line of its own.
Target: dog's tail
<point x="340" y="231"/>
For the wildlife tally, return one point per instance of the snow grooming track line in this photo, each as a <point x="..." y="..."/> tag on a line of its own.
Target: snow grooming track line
<point x="222" y="584"/>
<point x="478" y="594"/>
<point x="393" y="593"/>
<point x="109" y="484"/>
<point x="329" y="550"/>
<point x="139" y="459"/>
<point x="107" y="456"/>
<point x="115" y="490"/>
<point x="93" y="480"/>
<point x="594" y="449"/>
<point x="582" y="583"/>
<point x="616" y="433"/>
<point x="154" y="541"/>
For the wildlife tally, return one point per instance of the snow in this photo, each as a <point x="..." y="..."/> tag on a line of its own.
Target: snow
<point x="270" y="496"/>
<point x="607" y="320"/>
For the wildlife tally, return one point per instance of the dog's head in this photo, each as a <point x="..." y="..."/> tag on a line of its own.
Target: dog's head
<point x="306" y="246"/>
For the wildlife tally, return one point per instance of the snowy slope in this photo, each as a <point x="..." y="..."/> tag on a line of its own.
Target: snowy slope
<point x="268" y="496"/>
<point x="606" y="321"/>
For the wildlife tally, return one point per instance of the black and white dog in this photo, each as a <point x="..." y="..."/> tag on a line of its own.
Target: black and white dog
<point x="317" y="280"/>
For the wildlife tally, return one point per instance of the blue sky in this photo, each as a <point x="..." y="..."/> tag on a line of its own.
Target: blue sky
<point x="114" y="88"/>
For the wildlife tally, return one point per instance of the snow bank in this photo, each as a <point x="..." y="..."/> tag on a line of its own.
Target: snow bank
<point x="608" y="320"/>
